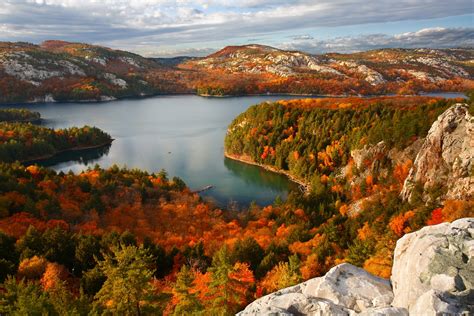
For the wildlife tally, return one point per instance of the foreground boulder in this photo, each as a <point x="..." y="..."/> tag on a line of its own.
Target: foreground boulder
<point x="344" y="290"/>
<point x="433" y="269"/>
<point x="446" y="158"/>
<point x="433" y="273"/>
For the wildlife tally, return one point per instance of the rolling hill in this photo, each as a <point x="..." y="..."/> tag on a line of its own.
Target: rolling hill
<point x="64" y="71"/>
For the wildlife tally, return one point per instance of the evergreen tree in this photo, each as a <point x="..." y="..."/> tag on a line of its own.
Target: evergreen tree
<point x="127" y="289"/>
<point x="185" y="301"/>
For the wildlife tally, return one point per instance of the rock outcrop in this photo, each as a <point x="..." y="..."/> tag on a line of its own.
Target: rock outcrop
<point x="433" y="269"/>
<point x="433" y="273"/>
<point x="446" y="158"/>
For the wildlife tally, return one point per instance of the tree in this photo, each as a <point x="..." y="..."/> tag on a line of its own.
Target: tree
<point x="24" y="298"/>
<point x="249" y="251"/>
<point x="127" y="286"/>
<point x="283" y="275"/>
<point x="185" y="301"/>
<point x="229" y="286"/>
<point x="8" y="256"/>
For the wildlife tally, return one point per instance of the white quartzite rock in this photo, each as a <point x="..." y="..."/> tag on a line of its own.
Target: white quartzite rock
<point x="433" y="269"/>
<point x="344" y="290"/>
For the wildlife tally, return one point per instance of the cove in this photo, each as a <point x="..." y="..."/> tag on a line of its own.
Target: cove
<point x="182" y="134"/>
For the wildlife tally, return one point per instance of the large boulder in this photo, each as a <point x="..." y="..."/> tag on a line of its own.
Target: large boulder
<point x="344" y="290"/>
<point x="446" y="158"/>
<point x="433" y="274"/>
<point x="433" y="269"/>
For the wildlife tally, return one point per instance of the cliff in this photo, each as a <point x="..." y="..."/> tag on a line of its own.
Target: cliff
<point x="446" y="158"/>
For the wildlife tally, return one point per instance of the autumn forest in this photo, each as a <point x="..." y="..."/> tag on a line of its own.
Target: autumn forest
<point x="126" y="241"/>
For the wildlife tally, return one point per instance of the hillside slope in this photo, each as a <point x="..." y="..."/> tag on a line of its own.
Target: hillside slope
<point x="261" y="69"/>
<point x="58" y="70"/>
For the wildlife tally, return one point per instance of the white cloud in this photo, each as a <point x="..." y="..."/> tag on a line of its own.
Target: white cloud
<point x="437" y="37"/>
<point x="140" y="25"/>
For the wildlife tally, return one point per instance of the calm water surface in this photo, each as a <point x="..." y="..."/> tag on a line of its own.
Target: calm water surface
<point x="182" y="134"/>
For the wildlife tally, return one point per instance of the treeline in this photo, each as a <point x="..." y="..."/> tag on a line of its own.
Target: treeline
<point x="27" y="142"/>
<point x="314" y="137"/>
<point x="19" y="115"/>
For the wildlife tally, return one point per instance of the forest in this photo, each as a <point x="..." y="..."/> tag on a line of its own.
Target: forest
<point x="125" y="241"/>
<point x="315" y="137"/>
<point x="79" y="71"/>
<point x="19" y="115"/>
<point x="29" y="142"/>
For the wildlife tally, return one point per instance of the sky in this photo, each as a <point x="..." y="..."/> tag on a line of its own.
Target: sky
<point x="166" y="28"/>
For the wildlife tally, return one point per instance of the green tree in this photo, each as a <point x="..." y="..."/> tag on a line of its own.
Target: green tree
<point x="8" y="256"/>
<point x="249" y="251"/>
<point x="127" y="289"/>
<point x="229" y="284"/>
<point x="24" y="298"/>
<point x="186" y="302"/>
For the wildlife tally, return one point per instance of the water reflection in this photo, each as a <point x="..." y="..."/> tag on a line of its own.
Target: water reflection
<point x="254" y="175"/>
<point x="86" y="157"/>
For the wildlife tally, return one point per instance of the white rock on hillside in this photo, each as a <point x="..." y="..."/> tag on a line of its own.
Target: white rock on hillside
<point x="433" y="269"/>
<point x="344" y="290"/>
<point x="446" y="157"/>
<point x="433" y="274"/>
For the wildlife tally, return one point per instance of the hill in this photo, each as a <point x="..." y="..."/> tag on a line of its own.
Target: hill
<point x="63" y="71"/>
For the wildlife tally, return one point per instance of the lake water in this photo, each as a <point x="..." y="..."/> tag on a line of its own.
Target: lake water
<point x="182" y="134"/>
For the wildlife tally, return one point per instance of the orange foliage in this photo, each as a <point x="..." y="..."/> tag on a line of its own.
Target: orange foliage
<point x="364" y="232"/>
<point x="399" y="224"/>
<point x="380" y="264"/>
<point x="455" y="209"/>
<point x="311" y="267"/>
<point x="400" y="172"/>
<point x="436" y="217"/>
<point x="53" y="274"/>
<point x="32" y="268"/>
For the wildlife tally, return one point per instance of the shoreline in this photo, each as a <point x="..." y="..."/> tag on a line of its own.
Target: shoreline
<point x="147" y="96"/>
<point x="46" y="157"/>
<point x="290" y="177"/>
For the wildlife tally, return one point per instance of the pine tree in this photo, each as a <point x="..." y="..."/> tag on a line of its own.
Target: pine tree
<point x="229" y="286"/>
<point x="127" y="287"/>
<point x="185" y="301"/>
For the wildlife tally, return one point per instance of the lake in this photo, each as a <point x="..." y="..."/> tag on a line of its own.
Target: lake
<point x="182" y="134"/>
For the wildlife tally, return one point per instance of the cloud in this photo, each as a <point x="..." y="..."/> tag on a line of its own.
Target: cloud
<point x="173" y="52"/>
<point x="146" y="25"/>
<point x="302" y="37"/>
<point x="431" y="37"/>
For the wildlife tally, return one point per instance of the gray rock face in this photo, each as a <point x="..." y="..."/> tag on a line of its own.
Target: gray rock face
<point x="433" y="269"/>
<point x="446" y="157"/>
<point x="344" y="290"/>
<point x="433" y="274"/>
